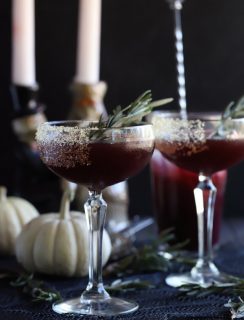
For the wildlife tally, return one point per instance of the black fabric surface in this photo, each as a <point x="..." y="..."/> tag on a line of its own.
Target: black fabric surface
<point x="161" y="302"/>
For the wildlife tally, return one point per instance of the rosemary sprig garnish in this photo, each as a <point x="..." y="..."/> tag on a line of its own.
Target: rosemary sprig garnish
<point x="131" y="115"/>
<point x="232" y="111"/>
<point x="35" y="288"/>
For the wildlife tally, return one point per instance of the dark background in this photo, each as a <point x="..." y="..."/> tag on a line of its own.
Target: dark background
<point x="137" y="54"/>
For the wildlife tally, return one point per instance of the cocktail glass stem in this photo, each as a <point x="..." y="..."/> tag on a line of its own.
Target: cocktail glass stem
<point x="95" y="210"/>
<point x="205" y="195"/>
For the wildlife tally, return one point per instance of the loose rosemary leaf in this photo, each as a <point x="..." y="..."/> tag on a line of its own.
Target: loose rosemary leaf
<point x="129" y="285"/>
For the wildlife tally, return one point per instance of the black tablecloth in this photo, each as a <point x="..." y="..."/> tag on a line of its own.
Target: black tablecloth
<point x="161" y="302"/>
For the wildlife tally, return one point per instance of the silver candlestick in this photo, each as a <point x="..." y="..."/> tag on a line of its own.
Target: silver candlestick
<point x="177" y="6"/>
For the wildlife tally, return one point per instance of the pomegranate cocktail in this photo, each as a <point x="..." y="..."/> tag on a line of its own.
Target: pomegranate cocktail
<point x="204" y="144"/>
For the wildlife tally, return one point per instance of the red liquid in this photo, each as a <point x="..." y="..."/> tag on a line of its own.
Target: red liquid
<point x="173" y="198"/>
<point x="211" y="156"/>
<point x="104" y="164"/>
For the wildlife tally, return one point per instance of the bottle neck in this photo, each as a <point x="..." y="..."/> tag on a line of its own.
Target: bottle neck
<point x="24" y="100"/>
<point x="28" y="113"/>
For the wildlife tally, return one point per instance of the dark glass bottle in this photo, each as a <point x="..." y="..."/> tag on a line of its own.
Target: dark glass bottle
<point x="31" y="179"/>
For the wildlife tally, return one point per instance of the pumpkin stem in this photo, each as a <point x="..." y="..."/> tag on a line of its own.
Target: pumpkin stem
<point x="68" y="195"/>
<point x="3" y="193"/>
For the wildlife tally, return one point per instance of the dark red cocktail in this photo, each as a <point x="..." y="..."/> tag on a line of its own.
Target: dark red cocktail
<point x="203" y="144"/>
<point x="209" y="156"/>
<point x="102" y="165"/>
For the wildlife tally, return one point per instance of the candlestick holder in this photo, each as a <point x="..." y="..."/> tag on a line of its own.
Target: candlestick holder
<point x="88" y="101"/>
<point x="88" y="105"/>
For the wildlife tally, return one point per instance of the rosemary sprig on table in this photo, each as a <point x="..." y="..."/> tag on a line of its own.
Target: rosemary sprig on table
<point x="128" y="285"/>
<point x="236" y="308"/>
<point x="35" y="288"/>
<point x="131" y="115"/>
<point x="156" y="256"/>
<point x="39" y="292"/>
<point x="235" y="287"/>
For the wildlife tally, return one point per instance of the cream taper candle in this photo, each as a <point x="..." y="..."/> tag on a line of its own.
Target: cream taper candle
<point x="23" y="43"/>
<point x="88" y="46"/>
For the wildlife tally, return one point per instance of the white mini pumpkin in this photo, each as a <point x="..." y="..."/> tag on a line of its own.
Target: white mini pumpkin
<point x="15" y="212"/>
<point x="57" y="243"/>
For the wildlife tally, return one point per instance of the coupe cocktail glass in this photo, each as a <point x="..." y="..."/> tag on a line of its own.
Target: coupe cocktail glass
<point x="172" y="194"/>
<point x="202" y="145"/>
<point x="95" y="158"/>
